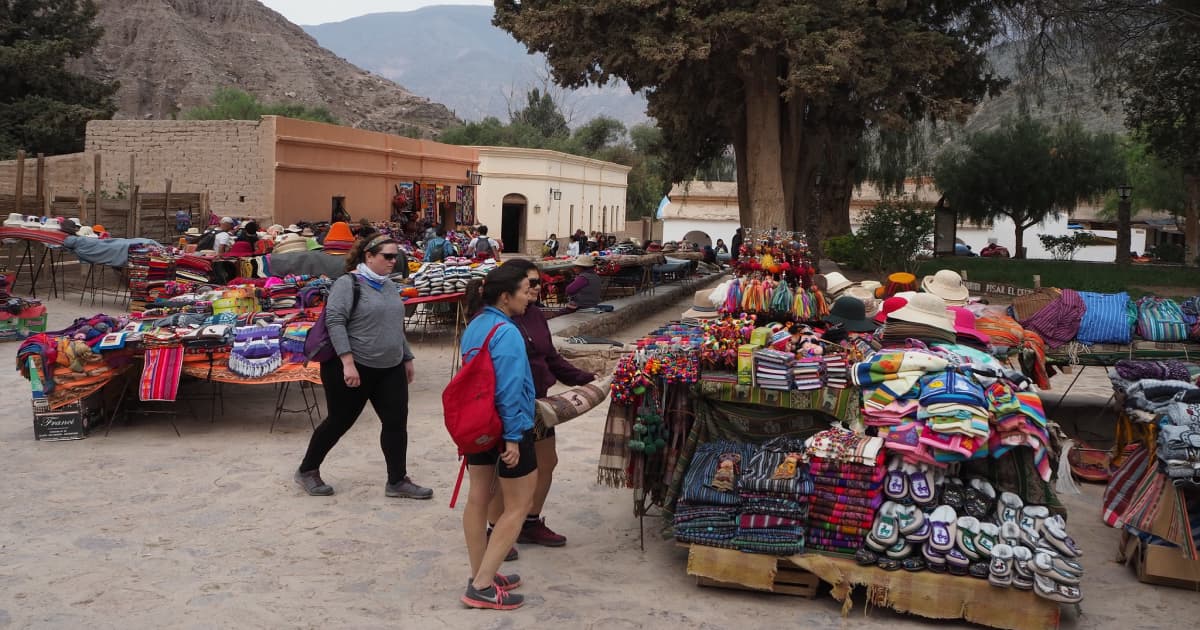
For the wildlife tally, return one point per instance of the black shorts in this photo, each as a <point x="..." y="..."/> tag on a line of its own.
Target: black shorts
<point x="526" y="464"/>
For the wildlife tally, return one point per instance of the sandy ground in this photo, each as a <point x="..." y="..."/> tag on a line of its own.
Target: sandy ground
<point x="144" y="529"/>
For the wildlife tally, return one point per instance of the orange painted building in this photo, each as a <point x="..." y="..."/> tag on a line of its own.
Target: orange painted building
<point x="283" y="170"/>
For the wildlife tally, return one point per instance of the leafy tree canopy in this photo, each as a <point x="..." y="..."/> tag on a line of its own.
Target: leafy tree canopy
<point x="1027" y="172"/>
<point x="43" y="106"/>
<point x="234" y="104"/>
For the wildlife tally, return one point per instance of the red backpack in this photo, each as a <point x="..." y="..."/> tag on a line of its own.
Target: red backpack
<point x="469" y="407"/>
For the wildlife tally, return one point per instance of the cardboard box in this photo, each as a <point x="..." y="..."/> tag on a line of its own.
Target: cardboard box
<point x="1156" y="564"/>
<point x="70" y="422"/>
<point x="745" y="364"/>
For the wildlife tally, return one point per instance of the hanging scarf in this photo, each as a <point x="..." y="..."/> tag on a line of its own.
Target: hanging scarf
<point x="374" y="280"/>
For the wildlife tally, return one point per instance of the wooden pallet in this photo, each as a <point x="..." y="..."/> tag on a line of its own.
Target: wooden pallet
<point x="759" y="573"/>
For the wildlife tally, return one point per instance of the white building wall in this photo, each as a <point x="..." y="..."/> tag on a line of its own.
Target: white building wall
<point x="676" y="229"/>
<point x="593" y="192"/>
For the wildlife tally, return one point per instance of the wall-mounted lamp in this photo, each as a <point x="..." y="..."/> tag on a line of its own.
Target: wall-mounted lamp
<point x="537" y="208"/>
<point x="474" y="178"/>
<point x="556" y="194"/>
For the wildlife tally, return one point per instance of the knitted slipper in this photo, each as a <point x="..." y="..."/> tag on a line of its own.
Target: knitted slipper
<point x="1049" y="589"/>
<point x="895" y="486"/>
<point x="942" y="529"/>
<point x="1001" y="567"/>
<point x="987" y="539"/>
<point x="920" y="485"/>
<point x="1009" y="508"/>
<point x="1054" y="532"/>
<point x="967" y="531"/>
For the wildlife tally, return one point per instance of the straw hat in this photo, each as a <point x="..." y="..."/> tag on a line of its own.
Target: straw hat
<point x="864" y="295"/>
<point x="874" y="286"/>
<point x="292" y="229"/>
<point x="702" y="307"/>
<point x="585" y="260"/>
<point x="86" y="231"/>
<point x="307" y="233"/>
<point x="835" y="282"/>
<point x="851" y="314"/>
<point x="14" y="220"/>
<point x="228" y="220"/>
<point x="290" y="243"/>
<point x="964" y="324"/>
<point x="193" y="231"/>
<point x="947" y="285"/>
<point x="926" y="309"/>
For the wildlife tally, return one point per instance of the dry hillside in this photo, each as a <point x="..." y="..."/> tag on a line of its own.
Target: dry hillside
<point x="170" y="55"/>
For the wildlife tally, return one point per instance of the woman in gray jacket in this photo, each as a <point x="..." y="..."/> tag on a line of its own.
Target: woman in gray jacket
<point x="374" y="363"/>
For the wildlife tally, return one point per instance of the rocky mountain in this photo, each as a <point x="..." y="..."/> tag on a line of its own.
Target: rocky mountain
<point x="171" y="55"/>
<point x="454" y="55"/>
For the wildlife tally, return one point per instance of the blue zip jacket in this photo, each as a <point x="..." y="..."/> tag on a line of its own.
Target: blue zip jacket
<point x="514" y="379"/>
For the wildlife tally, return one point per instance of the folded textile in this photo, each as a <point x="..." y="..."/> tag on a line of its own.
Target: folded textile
<point x="1106" y="318"/>
<point x="766" y="521"/>
<point x="712" y="475"/>
<point x="851" y="528"/>
<point x="776" y="468"/>
<point x="1059" y="321"/>
<point x="842" y="445"/>
<point x="833" y="497"/>
<point x="846" y="483"/>
<point x="895" y="373"/>
<point x="774" y="549"/>
<point x="161" y="371"/>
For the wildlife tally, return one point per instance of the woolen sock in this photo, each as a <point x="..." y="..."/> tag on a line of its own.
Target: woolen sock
<point x="532" y="518"/>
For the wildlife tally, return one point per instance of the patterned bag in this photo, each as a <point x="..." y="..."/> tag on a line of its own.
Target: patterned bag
<point x="1160" y="319"/>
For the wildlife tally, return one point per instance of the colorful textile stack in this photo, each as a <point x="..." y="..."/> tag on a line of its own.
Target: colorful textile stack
<point x="773" y="369"/>
<point x="847" y="473"/>
<point x="149" y="268"/>
<point x="888" y="375"/>
<point x="955" y="415"/>
<point x="707" y="514"/>
<point x="256" y="351"/>
<point x="430" y="279"/>
<point x="457" y="277"/>
<point x="806" y="374"/>
<point x="283" y="296"/>
<point x="194" y="267"/>
<point x="836" y="371"/>
<point x="161" y="372"/>
<point x="291" y="344"/>
<point x="1020" y="421"/>
<point x="775" y="491"/>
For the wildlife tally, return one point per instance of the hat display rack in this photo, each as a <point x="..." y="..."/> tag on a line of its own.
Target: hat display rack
<point x="774" y="278"/>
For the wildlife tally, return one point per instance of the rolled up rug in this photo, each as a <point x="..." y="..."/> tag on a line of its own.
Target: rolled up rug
<point x="555" y="410"/>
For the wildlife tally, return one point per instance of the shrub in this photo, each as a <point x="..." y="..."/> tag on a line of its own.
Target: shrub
<point x="893" y="233"/>
<point x="845" y="250"/>
<point x="1169" y="252"/>
<point x="1065" y="247"/>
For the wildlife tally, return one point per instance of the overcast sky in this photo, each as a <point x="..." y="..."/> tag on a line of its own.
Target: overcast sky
<point x="307" y="12"/>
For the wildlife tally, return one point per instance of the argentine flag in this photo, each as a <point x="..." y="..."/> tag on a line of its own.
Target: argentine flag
<point x="662" y="208"/>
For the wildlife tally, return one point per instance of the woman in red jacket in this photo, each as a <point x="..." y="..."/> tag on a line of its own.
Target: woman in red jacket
<point x="548" y="367"/>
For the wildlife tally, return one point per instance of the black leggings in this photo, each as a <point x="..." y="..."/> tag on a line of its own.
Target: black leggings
<point x="387" y="389"/>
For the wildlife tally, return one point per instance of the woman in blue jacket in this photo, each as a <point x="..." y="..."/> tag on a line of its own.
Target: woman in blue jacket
<point x="504" y="294"/>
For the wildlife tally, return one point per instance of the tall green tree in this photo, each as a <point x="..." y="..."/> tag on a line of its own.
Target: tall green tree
<point x="44" y="107"/>
<point x="1026" y="171"/>
<point x="543" y="114"/>
<point x="791" y="84"/>
<point x="234" y="104"/>
<point x="1161" y="96"/>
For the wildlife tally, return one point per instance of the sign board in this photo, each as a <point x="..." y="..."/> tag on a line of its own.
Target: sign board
<point x="995" y="288"/>
<point x="70" y="422"/>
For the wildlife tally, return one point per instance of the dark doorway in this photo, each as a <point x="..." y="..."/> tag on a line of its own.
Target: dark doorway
<point x="511" y="226"/>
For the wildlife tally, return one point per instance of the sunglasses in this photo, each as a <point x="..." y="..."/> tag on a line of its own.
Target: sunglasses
<point x="390" y="257"/>
<point x="535" y="283"/>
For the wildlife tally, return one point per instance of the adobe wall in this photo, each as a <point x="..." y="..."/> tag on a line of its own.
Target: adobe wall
<point x="233" y="160"/>
<point x="64" y="175"/>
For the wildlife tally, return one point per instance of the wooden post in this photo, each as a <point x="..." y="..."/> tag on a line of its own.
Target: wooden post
<point x="166" y="211"/>
<point x="1037" y="282"/>
<point x="135" y="222"/>
<point x="46" y="196"/>
<point x="133" y="225"/>
<point x="205" y="211"/>
<point x="96" y="185"/>
<point x="963" y="273"/>
<point x="20" y="183"/>
<point x="82" y="206"/>
<point x="41" y="179"/>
